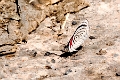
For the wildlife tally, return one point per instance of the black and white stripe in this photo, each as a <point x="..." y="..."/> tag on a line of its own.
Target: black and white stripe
<point x="79" y="36"/>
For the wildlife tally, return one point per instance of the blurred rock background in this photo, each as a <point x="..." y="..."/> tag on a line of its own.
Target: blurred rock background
<point x="43" y="18"/>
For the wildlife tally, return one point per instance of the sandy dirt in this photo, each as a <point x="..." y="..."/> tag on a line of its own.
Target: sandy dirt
<point x="39" y="59"/>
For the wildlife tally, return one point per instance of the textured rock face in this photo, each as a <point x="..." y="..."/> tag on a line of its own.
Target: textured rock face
<point x="19" y="18"/>
<point x="9" y="26"/>
<point x="37" y="11"/>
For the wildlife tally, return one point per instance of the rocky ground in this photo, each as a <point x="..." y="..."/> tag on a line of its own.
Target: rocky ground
<point x="37" y="46"/>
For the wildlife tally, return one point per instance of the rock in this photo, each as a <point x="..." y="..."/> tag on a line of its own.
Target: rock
<point x="14" y="32"/>
<point x="10" y="56"/>
<point x="33" y="19"/>
<point x="33" y="26"/>
<point x="34" y="54"/>
<point x="48" y="67"/>
<point x="110" y="43"/>
<point x="69" y="6"/>
<point x="74" y="23"/>
<point x="31" y="53"/>
<point x="53" y="61"/>
<point x="9" y="30"/>
<point x="92" y="37"/>
<point x="7" y="49"/>
<point x="102" y="52"/>
<point x="47" y="54"/>
<point x="67" y="71"/>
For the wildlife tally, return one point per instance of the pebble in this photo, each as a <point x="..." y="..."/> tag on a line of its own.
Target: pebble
<point x="53" y="61"/>
<point x="34" y="54"/>
<point x="48" y="67"/>
<point x="102" y="52"/>
<point x="31" y="53"/>
<point x="110" y="43"/>
<point x="47" y="54"/>
<point x="92" y="37"/>
<point x="6" y="65"/>
<point x="74" y="23"/>
<point x="67" y="71"/>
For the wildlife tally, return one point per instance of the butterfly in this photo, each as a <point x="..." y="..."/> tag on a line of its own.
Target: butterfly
<point x="79" y="36"/>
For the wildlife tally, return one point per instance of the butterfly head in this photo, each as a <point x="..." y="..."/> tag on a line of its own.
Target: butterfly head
<point x="85" y="22"/>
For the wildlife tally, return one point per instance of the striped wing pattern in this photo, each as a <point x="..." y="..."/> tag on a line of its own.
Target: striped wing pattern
<point x="79" y="36"/>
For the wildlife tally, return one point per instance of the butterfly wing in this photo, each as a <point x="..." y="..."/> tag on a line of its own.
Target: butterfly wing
<point x="79" y="36"/>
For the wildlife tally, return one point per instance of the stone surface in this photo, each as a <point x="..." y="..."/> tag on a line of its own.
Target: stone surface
<point x="9" y="24"/>
<point x="36" y="33"/>
<point x="19" y="18"/>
